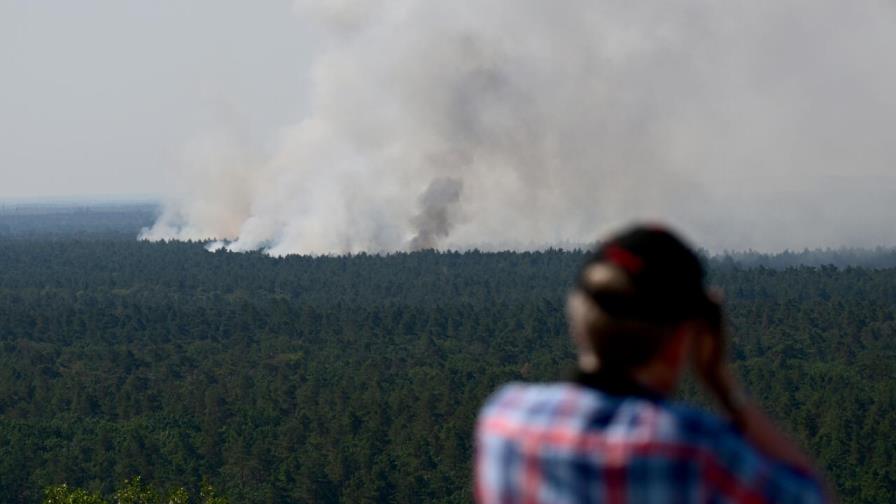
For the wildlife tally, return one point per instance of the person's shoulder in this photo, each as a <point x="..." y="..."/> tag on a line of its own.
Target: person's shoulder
<point x="538" y="401"/>
<point x="698" y="425"/>
<point x="575" y="406"/>
<point x="706" y="433"/>
<point x="521" y="395"/>
<point x="673" y="419"/>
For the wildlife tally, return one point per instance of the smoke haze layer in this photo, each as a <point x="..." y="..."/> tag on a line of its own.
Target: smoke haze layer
<point x="522" y="123"/>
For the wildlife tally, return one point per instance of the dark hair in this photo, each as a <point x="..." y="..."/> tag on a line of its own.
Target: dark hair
<point x="623" y="344"/>
<point x="658" y="284"/>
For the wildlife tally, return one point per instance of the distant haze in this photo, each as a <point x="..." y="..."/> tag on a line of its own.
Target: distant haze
<point x="520" y="123"/>
<point x="105" y="99"/>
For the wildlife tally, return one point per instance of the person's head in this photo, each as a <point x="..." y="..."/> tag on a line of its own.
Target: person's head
<point x="639" y="301"/>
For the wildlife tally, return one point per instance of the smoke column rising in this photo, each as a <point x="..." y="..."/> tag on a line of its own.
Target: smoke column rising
<point x="521" y="123"/>
<point x="436" y="218"/>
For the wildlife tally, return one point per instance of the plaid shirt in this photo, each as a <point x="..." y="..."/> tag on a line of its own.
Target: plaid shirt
<point x="570" y="443"/>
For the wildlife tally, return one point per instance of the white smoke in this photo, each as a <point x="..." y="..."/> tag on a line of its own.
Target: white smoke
<point x="764" y="124"/>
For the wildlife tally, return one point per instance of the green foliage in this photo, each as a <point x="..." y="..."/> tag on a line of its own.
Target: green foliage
<point x="208" y="495"/>
<point x="180" y="496"/>
<point x="62" y="494"/>
<point x="132" y="491"/>
<point x="358" y="379"/>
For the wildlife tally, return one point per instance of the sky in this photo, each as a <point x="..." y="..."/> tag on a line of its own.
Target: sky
<point x="334" y="126"/>
<point x="104" y="98"/>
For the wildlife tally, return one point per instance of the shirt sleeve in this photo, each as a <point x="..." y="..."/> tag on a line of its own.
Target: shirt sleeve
<point x="787" y="484"/>
<point x="762" y="476"/>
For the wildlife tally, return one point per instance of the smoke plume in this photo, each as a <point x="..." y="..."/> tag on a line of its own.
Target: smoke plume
<point x="439" y="206"/>
<point x="522" y="123"/>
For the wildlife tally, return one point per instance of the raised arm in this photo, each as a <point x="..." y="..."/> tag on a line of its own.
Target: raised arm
<point x="713" y="370"/>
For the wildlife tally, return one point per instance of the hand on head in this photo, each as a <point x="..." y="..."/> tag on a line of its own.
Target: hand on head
<point x="708" y="347"/>
<point x="709" y="358"/>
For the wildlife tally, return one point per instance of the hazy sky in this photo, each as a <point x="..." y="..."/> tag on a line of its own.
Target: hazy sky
<point x="345" y="125"/>
<point x="104" y="98"/>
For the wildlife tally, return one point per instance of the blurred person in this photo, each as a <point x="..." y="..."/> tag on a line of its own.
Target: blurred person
<point x="640" y="316"/>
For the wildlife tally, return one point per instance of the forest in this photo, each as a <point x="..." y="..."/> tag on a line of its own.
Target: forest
<point x="358" y="378"/>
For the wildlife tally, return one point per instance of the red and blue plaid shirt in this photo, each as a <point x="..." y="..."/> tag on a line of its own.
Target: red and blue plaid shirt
<point x="572" y="443"/>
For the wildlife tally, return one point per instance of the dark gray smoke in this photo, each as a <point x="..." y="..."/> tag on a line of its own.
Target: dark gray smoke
<point x="439" y="211"/>
<point x="765" y="124"/>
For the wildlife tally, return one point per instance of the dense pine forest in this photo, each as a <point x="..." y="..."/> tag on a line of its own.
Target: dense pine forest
<point x="357" y="379"/>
